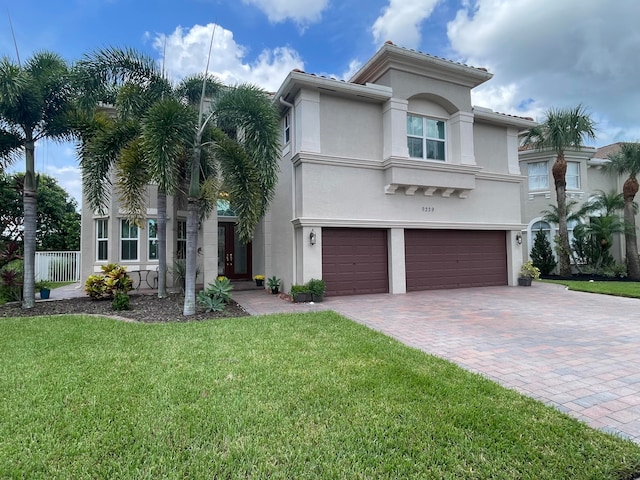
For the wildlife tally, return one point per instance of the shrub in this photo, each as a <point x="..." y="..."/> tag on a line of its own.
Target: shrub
<point x="529" y="271"/>
<point x="542" y="254"/>
<point x="114" y="280"/>
<point x="216" y="296"/>
<point x="120" y="301"/>
<point x="210" y="304"/>
<point x="11" y="280"/>
<point x="316" y="287"/>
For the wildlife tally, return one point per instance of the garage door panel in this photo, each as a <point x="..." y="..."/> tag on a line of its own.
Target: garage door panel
<point x="354" y="261"/>
<point x="454" y="259"/>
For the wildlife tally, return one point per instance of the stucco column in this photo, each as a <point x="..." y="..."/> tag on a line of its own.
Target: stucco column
<point x="515" y="256"/>
<point x="310" y="254"/>
<point x="208" y="249"/>
<point x="307" y="120"/>
<point x="397" y="269"/>
<point x="460" y="139"/>
<point x="513" y="143"/>
<point x="394" y="128"/>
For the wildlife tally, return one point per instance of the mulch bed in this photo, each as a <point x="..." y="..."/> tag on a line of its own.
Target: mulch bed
<point x="143" y="308"/>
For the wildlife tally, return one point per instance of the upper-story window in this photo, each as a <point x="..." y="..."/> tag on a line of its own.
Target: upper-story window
<point x="573" y="175"/>
<point x="128" y="240"/>
<point x="538" y="176"/>
<point x="426" y="138"/>
<point x="286" y="127"/>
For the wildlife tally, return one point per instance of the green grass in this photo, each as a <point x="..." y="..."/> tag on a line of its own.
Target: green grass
<point x="620" y="289"/>
<point x="279" y="397"/>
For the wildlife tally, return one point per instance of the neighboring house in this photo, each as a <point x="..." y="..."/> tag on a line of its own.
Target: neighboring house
<point x="390" y="182"/>
<point x="585" y="177"/>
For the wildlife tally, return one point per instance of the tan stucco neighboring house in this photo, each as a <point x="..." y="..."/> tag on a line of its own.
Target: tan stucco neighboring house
<point x="390" y="182"/>
<point x="585" y="178"/>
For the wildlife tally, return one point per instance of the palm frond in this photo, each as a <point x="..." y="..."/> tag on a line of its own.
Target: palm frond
<point x="132" y="178"/>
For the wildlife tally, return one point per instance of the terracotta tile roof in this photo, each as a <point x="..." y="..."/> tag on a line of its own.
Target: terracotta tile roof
<point x="483" y="69"/>
<point x="604" y="152"/>
<point x="516" y="116"/>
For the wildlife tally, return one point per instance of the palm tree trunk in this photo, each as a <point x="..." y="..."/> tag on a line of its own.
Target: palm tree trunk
<point x="30" y="226"/>
<point x="162" y="244"/>
<point x="193" y="212"/>
<point x="629" y="190"/>
<point x="559" y="176"/>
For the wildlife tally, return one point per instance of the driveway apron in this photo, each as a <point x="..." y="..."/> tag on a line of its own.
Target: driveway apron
<point x="578" y="352"/>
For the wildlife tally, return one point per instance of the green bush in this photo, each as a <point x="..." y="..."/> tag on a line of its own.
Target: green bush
<point x="120" y="301"/>
<point x="542" y="254"/>
<point x="216" y="296"/>
<point x="210" y="304"/>
<point x="317" y="288"/>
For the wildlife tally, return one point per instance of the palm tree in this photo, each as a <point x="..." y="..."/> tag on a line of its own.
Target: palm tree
<point x="232" y="145"/>
<point x="36" y="102"/>
<point x="562" y="129"/>
<point x="142" y="99"/>
<point x="627" y="162"/>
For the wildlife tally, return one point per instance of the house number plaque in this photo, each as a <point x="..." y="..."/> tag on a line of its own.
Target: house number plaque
<point x="428" y="209"/>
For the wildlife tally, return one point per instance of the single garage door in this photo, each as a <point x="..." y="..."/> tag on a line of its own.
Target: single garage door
<point x="455" y="259"/>
<point x="354" y="261"/>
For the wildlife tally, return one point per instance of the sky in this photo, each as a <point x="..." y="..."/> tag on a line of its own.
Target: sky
<point x="543" y="53"/>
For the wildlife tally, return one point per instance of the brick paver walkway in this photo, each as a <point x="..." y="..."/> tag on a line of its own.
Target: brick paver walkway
<point x="576" y="351"/>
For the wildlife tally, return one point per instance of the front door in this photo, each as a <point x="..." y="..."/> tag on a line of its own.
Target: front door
<point x="234" y="257"/>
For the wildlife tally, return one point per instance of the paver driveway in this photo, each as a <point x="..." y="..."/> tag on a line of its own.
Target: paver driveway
<point x="576" y="351"/>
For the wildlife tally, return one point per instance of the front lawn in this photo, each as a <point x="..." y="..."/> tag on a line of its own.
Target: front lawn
<point x="280" y="397"/>
<point x="620" y="289"/>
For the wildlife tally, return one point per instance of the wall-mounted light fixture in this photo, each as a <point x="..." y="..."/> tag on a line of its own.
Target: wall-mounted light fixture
<point x="312" y="237"/>
<point x="518" y="239"/>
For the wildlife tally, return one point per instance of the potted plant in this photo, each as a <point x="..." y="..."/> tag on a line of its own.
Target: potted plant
<point x="259" y="280"/>
<point x="300" y="293"/>
<point x="317" y="288"/>
<point x="44" y="288"/>
<point x="274" y="284"/>
<point x="528" y="272"/>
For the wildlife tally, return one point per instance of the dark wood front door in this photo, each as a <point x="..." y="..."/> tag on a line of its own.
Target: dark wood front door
<point x="234" y="257"/>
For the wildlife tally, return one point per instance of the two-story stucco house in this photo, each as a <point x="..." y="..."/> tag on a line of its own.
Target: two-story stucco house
<point x="393" y="182"/>
<point x="389" y="182"/>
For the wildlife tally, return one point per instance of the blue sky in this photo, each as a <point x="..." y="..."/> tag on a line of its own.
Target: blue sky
<point x="543" y="53"/>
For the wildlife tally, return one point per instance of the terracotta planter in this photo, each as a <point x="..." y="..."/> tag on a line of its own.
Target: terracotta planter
<point x="524" y="281"/>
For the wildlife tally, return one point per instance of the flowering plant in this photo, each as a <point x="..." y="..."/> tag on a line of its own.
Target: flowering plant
<point x="258" y="277"/>
<point x="529" y="271"/>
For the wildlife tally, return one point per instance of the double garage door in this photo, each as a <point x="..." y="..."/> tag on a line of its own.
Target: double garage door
<point x="354" y="260"/>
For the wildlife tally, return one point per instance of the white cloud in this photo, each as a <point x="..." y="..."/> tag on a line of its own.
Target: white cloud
<point x="302" y="12"/>
<point x="69" y="177"/>
<point x="400" y="22"/>
<point x="550" y="53"/>
<point x="187" y="50"/>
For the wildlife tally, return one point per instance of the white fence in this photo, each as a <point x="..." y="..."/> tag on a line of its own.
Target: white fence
<point x="58" y="266"/>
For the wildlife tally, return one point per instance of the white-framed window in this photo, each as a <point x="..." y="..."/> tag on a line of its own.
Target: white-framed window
<point x="102" y="239"/>
<point x="152" y="237"/>
<point x="538" y="173"/>
<point x="426" y="138"/>
<point x="573" y="175"/>
<point x="181" y="239"/>
<point x="128" y="241"/>
<point x="546" y="230"/>
<point x="286" y="128"/>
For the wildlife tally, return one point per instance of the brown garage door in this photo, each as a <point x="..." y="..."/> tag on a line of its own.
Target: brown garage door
<point x="354" y="261"/>
<point x="454" y="259"/>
